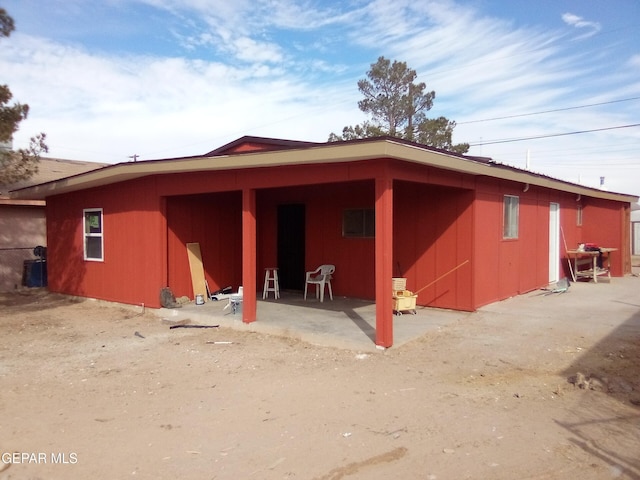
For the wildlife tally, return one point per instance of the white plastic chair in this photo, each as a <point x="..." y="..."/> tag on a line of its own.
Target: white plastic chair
<point x="320" y="277"/>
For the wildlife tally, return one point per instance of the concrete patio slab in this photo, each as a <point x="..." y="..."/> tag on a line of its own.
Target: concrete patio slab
<point x="350" y="323"/>
<point x="343" y="323"/>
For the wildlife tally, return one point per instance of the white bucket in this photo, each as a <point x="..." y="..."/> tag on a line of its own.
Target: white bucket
<point x="199" y="299"/>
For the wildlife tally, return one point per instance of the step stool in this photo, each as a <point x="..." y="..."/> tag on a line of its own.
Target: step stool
<point x="271" y="283"/>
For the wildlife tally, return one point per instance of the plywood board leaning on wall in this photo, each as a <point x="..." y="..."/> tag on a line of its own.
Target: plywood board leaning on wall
<point x="197" y="270"/>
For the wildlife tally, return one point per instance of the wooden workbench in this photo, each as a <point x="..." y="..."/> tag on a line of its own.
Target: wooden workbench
<point x="581" y="258"/>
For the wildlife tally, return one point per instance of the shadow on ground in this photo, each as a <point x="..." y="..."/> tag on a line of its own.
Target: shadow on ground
<point x="611" y="367"/>
<point x="36" y="299"/>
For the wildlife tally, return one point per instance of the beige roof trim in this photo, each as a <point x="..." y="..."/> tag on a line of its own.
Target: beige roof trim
<point x="323" y="153"/>
<point x="504" y="172"/>
<point x="22" y="203"/>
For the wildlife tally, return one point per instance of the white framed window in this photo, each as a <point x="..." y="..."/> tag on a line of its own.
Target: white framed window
<point x="93" y="234"/>
<point x="579" y="216"/>
<point x="359" y="223"/>
<point x="511" y="214"/>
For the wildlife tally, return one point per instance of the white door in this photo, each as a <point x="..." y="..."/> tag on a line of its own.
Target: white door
<point x="636" y="238"/>
<point x="554" y="242"/>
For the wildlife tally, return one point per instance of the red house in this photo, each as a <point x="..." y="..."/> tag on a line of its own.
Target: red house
<point x="375" y="208"/>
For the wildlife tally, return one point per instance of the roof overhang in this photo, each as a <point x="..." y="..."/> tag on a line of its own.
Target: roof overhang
<point x="333" y="152"/>
<point x="22" y="203"/>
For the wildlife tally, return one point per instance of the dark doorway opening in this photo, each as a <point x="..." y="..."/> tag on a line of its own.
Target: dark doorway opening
<point x="291" y="242"/>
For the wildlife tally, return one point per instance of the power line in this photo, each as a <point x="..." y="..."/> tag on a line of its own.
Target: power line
<point x="609" y="151"/>
<point x="536" y="137"/>
<point x="549" y="111"/>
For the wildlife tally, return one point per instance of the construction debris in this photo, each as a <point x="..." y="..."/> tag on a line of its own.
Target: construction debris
<point x="589" y="382"/>
<point x="168" y="299"/>
<point x="562" y="286"/>
<point x="193" y="326"/>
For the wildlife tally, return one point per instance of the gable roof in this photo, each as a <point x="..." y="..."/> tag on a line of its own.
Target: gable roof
<point x="253" y="144"/>
<point x="253" y="152"/>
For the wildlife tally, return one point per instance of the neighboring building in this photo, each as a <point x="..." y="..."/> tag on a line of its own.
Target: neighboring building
<point x="375" y="208"/>
<point x="22" y="222"/>
<point x="635" y="229"/>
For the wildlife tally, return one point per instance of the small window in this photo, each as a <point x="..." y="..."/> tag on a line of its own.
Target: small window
<point x="93" y="244"/>
<point x="511" y="208"/>
<point x="579" y="216"/>
<point x="359" y="223"/>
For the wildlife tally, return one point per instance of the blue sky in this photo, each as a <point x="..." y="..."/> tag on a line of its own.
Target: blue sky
<point x="165" y="78"/>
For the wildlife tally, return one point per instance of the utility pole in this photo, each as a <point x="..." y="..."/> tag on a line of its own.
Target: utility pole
<point x="135" y="157"/>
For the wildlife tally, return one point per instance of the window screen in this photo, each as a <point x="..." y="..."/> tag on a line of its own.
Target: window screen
<point x="93" y="240"/>
<point x="511" y="212"/>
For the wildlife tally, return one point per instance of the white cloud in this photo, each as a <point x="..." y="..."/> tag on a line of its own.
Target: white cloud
<point x="634" y="61"/>
<point x="105" y="108"/>
<point x="264" y="81"/>
<point x="579" y="22"/>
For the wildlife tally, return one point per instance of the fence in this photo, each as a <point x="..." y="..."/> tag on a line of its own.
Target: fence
<point x="21" y="267"/>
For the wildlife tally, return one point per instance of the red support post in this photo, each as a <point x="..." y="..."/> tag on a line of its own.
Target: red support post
<point x="249" y="302"/>
<point x="384" y="261"/>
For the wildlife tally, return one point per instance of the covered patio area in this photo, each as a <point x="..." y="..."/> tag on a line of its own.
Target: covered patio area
<point x="342" y="323"/>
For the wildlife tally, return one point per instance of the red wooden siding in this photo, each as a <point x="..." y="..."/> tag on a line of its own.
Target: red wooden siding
<point x="507" y="267"/>
<point x="214" y="221"/>
<point x="533" y="239"/>
<point x="487" y="246"/>
<point x="324" y="205"/>
<point x="134" y="260"/>
<point x="433" y="235"/>
<point x="65" y="264"/>
<point x="440" y="220"/>
<point x="604" y="224"/>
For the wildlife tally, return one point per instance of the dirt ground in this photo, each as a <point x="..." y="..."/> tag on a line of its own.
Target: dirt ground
<point x="96" y="390"/>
